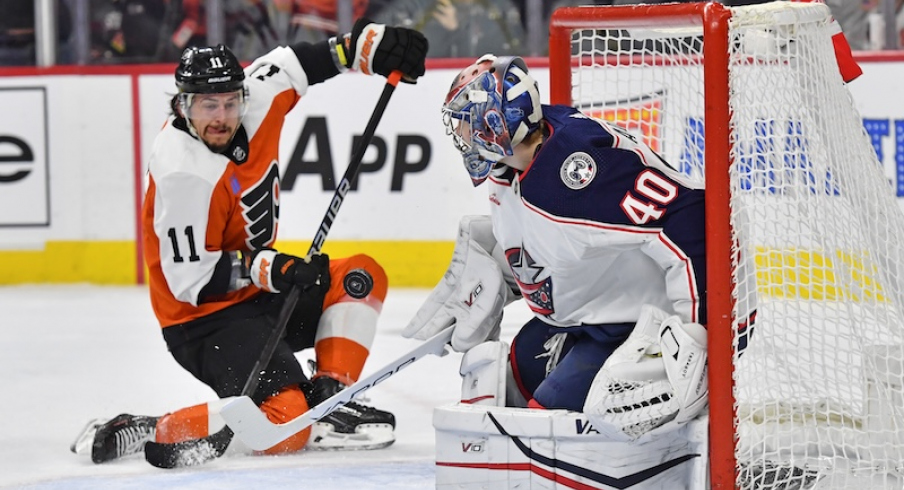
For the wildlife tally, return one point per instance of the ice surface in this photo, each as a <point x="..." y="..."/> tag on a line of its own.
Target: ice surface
<point x="72" y="353"/>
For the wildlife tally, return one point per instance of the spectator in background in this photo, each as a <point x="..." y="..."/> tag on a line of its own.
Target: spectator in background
<point x="318" y="15"/>
<point x="17" y="33"/>
<point x="876" y="40"/>
<point x="900" y="23"/>
<point x="128" y="30"/>
<point x="852" y="17"/>
<point x="632" y="2"/>
<point x="253" y="26"/>
<point x="147" y="31"/>
<point x="459" y="28"/>
<point x="192" y="27"/>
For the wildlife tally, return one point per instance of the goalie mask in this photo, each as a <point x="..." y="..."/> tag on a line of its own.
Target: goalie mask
<point x="211" y="85"/>
<point x="491" y="107"/>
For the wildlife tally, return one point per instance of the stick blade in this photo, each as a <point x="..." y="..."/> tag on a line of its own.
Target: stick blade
<point x="254" y="428"/>
<point x="256" y="431"/>
<point x="188" y="453"/>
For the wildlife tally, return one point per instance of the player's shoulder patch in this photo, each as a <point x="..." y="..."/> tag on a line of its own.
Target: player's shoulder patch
<point x="578" y="170"/>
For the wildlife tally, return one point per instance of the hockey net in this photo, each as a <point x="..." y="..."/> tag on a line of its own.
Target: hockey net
<point x="750" y="100"/>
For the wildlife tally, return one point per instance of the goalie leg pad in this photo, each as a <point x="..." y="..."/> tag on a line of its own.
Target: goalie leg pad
<point x="480" y="447"/>
<point x="483" y="372"/>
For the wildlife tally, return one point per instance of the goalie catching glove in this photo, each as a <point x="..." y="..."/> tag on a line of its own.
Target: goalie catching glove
<point x="656" y="379"/>
<point x="276" y="272"/>
<point x="471" y="294"/>
<point x="377" y="48"/>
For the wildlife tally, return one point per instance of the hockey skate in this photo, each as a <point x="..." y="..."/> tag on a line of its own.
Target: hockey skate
<point x="124" y="435"/>
<point x="349" y="427"/>
<point x="85" y="437"/>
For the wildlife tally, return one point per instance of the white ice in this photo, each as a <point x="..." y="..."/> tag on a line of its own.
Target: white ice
<point x="72" y="353"/>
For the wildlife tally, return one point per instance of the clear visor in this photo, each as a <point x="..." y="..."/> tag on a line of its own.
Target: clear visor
<point x="221" y="106"/>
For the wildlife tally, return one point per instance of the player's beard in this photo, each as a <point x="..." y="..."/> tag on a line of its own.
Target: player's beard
<point x="220" y="147"/>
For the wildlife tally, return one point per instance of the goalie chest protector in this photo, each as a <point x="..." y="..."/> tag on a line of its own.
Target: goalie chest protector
<point x="584" y="240"/>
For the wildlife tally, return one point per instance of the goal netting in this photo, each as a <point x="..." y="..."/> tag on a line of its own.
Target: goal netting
<point x="750" y="100"/>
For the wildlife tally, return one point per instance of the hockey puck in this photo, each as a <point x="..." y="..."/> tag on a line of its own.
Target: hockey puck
<point x="358" y="283"/>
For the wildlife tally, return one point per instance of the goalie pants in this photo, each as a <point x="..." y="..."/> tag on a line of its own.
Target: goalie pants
<point x="562" y="379"/>
<point x="221" y="349"/>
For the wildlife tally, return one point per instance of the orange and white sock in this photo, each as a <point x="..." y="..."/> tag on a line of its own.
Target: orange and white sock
<point x="202" y="420"/>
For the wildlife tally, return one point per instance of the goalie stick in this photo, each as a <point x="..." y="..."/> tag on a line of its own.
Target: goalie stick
<point x="199" y="451"/>
<point x="259" y="433"/>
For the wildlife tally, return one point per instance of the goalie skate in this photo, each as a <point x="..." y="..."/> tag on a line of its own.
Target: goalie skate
<point x="122" y="436"/>
<point x="353" y="426"/>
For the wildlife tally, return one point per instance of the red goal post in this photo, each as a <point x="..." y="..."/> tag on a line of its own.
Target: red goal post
<point x="795" y="191"/>
<point x="564" y="21"/>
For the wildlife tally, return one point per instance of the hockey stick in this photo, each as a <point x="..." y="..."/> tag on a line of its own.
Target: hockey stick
<point x="328" y="218"/>
<point x="202" y="450"/>
<point x="259" y="433"/>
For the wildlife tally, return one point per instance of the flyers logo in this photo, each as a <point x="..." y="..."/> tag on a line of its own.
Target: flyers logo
<point x="260" y="210"/>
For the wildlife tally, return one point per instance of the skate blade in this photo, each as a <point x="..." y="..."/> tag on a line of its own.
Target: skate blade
<point x="85" y="438"/>
<point x="366" y="437"/>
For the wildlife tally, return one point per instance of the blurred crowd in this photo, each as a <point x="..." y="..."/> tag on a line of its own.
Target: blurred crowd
<point x="152" y="31"/>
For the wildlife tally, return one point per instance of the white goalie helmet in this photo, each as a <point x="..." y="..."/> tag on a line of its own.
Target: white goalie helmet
<point x="492" y="106"/>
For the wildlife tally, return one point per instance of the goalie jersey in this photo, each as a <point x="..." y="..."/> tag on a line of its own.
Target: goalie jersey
<point x="599" y="225"/>
<point x="200" y="204"/>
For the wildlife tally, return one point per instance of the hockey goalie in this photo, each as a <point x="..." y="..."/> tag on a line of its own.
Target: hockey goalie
<point x="606" y="386"/>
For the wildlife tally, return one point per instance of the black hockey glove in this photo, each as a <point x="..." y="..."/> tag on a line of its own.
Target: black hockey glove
<point x="276" y="272"/>
<point x="380" y="49"/>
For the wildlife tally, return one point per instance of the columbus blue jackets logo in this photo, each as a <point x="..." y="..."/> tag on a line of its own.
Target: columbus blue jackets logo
<point x="533" y="281"/>
<point x="578" y="170"/>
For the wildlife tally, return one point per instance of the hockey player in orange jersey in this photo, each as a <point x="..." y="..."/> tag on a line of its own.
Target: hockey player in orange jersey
<point x="210" y="221"/>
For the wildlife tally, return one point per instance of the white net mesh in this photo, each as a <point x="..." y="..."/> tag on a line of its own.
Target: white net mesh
<point x="819" y="390"/>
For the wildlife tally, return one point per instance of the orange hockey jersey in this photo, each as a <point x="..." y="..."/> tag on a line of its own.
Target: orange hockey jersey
<point x="200" y="204"/>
